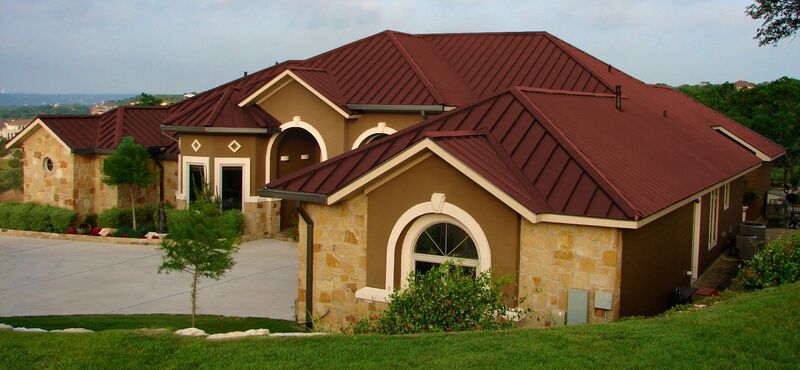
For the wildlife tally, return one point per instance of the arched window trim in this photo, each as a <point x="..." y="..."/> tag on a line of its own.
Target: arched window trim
<point x="413" y="234"/>
<point x="296" y="122"/>
<point x="381" y="128"/>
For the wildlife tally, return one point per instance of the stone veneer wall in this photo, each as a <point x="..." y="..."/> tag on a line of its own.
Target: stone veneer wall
<point x="54" y="188"/>
<point x="340" y="264"/>
<point x="556" y="257"/>
<point x="170" y="181"/>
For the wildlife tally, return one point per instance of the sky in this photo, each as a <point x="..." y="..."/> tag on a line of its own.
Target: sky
<point x="175" y="46"/>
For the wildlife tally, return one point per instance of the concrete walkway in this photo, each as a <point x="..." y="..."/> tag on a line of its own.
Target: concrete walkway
<point x="54" y="277"/>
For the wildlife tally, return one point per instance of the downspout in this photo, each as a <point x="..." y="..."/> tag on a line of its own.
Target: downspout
<point x="309" y="262"/>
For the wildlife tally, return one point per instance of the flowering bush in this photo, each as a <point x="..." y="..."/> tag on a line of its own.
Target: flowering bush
<point x="774" y="263"/>
<point x="446" y="298"/>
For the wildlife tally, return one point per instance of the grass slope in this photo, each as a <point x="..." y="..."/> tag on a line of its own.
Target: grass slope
<point x="751" y="330"/>
<point x="210" y="323"/>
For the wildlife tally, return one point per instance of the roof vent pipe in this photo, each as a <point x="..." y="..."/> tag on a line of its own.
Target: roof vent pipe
<point x="245" y="74"/>
<point x="618" y="97"/>
<point x="665" y="114"/>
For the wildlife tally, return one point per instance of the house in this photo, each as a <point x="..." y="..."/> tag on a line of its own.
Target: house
<point x="744" y="85"/>
<point x="543" y="162"/>
<point x="12" y="127"/>
<point x="63" y="156"/>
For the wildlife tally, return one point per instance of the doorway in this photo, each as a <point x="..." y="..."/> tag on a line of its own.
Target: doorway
<point x="231" y="194"/>
<point x="197" y="182"/>
<point x="296" y="150"/>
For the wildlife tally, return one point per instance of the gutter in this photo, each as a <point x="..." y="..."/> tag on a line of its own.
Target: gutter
<point x="397" y="108"/>
<point x="309" y="263"/>
<point x="221" y="130"/>
<point x="293" y="195"/>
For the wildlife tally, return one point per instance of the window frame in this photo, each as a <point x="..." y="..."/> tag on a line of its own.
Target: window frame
<point x="726" y="197"/>
<point x="713" y="218"/>
<point x="52" y="168"/>
<point x="432" y="258"/>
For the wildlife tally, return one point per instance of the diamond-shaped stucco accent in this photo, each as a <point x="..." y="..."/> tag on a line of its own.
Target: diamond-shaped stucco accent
<point x="196" y="145"/>
<point x="234" y="146"/>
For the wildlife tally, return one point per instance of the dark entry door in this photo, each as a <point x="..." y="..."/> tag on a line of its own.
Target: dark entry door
<point x="297" y="149"/>
<point x="231" y="188"/>
<point x="197" y="182"/>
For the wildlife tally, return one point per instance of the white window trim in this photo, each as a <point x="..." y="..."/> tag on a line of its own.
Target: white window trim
<point x="381" y="128"/>
<point x="726" y="197"/>
<point x="234" y="162"/>
<point x="713" y="218"/>
<point x="697" y="215"/>
<point x="184" y="169"/>
<point x="437" y="205"/>
<point x="296" y="122"/>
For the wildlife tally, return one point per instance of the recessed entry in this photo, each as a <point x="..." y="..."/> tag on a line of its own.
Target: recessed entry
<point x="304" y="156"/>
<point x="196" y="145"/>
<point x="234" y="146"/>
<point x="284" y="158"/>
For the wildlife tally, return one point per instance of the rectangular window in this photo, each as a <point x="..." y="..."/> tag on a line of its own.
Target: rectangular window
<point x="726" y="200"/>
<point x="197" y="181"/>
<point x="713" y="218"/>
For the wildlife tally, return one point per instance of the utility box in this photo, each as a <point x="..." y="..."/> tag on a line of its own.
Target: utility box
<point x="602" y="300"/>
<point x="757" y="230"/>
<point x="746" y="244"/>
<point x="577" y="306"/>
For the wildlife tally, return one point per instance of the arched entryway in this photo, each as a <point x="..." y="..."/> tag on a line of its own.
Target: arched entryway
<point x="296" y="149"/>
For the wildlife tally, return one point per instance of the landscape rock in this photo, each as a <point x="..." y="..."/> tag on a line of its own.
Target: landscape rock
<point x="106" y="231"/>
<point x="315" y="334"/>
<point x="72" y="330"/>
<point x="5" y="327"/>
<point x="30" y="330"/>
<point x="191" y="332"/>
<point x="239" y="334"/>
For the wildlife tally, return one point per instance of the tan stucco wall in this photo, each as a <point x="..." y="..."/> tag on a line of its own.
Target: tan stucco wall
<point x="53" y="188"/>
<point x="414" y="186"/>
<point x="216" y="146"/>
<point x="556" y="257"/>
<point x="340" y="264"/>
<point x="397" y="121"/>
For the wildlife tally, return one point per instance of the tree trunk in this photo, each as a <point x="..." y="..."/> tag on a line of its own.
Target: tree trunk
<point x="133" y="207"/>
<point x="194" y="297"/>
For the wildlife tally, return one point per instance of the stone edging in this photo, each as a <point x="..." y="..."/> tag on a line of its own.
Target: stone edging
<point x="80" y="238"/>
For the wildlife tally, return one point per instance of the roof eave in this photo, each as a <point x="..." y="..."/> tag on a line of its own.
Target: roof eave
<point x="221" y="130"/>
<point x="293" y="195"/>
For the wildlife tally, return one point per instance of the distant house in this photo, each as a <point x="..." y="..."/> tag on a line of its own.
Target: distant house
<point x="63" y="156"/>
<point x="100" y="108"/>
<point x="744" y="85"/>
<point x="12" y="127"/>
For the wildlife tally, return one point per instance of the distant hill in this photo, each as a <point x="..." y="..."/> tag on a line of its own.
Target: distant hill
<point x="9" y="99"/>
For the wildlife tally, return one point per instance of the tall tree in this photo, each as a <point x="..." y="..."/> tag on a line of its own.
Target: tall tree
<point x="781" y="19"/>
<point x="131" y="165"/>
<point x="202" y="241"/>
<point x="148" y="100"/>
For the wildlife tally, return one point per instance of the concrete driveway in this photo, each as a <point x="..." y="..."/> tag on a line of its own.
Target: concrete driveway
<point x="54" y="277"/>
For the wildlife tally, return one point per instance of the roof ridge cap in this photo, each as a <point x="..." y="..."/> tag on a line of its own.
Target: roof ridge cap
<point x="558" y="42"/>
<point x="579" y="156"/>
<point x="540" y="90"/>
<point x="415" y="67"/>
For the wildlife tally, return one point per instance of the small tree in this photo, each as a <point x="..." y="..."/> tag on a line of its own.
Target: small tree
<point x="148" y="100"/>
<point x="11" y="177"/>
<point x="202" y="241"/>
<point x="131" y="165"/>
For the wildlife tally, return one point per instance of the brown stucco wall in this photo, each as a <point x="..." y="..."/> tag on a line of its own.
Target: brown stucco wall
<point x="759" y="182"/>
<point x="388" y="202"/>
<point x="216" y="146"/>
<point x="655" y="260"/>
<point x="728" y="224"/>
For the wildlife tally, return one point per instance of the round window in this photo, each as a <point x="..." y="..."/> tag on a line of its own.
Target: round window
<point x="48" y="164"/>
<point x="442" y="242"/>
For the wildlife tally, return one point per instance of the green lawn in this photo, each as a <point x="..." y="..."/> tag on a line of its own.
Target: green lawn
<point x="757" y="330"/>
<point x="210" y="323"/>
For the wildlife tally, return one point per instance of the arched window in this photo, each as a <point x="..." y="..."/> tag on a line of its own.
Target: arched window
<point x="444" y="241"/>
<point x="372" y="138"/>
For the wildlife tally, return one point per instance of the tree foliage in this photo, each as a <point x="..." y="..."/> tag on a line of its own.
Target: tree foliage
<point x="148" y="100"/>
<point x="131" y="165"/>
<point x="771" y="109"/>
<point x="11" y="177"/>
<point x="202" y="241"/>
<point x="781" y="19"/>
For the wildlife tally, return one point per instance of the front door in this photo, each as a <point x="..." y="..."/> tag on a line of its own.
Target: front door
<point x="231" y="196"/>
<point x="297" y="149"/>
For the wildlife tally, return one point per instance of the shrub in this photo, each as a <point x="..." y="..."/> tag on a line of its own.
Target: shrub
<point x="232" y="221"/>
<point x="774" y="263"/>
<point x="119" y="217"/>
<point x="35" y="217"/>
<point x="61" y="218"/>
<point x="446" y="298"/>
<point x="109" y="218"/>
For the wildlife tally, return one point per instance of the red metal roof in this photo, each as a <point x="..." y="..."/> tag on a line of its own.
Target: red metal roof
<point x="105" y="131"/>
<point x="562" y="152"/>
